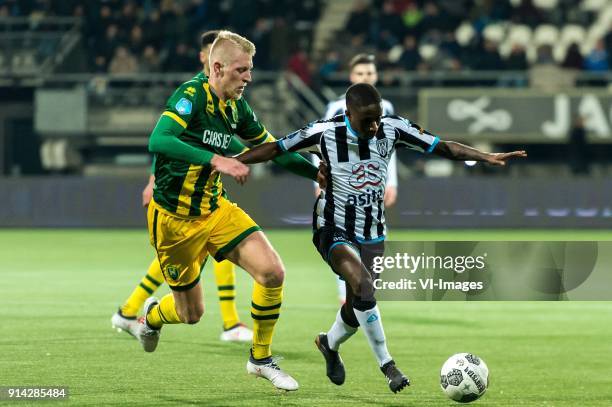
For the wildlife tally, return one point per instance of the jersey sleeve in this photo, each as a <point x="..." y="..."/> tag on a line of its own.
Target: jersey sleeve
<point x="388" y="109"/>
<point x="333" y="108"/>
<point x="249" y="127"/>
<point x="392" y="171"/>
<point x="411" y="135"/>
<point x="181" y="106"/>
<point x="307" y="139"/>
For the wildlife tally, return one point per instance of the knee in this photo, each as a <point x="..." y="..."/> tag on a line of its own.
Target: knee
<point x="362" y="287"/>
<point x="191" y="314"/>
<point x="272" y="276"/>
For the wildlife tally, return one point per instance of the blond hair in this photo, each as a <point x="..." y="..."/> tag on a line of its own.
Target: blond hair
<point x="225" y="38"/>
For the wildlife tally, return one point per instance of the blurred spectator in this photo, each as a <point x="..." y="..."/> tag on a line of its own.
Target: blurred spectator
<point x="181" y="59"/>
<point x="110" y="42"/>
<point x="517" y="60"/>
<point x="168" y="23"/>
<point x="410" y="58"/>
<point x="128" y="17"/>
<point x="360" y="20"/>
<point x="262" y="40"/>
<point x="98" y="26"/>
<point x="123" y="62"/>
<point x="100" y="64"/>
<point x="331" y="64"/>
<point x="181" y="27"/>
<point x="573" y="58"/>
<point x="281" y="36"/>
<point x="489" y="59"/>
<point x="432" y="19"/>
<point x="299" y="64"/>
<point x="137" y="43"/>
<point x="389" y="24"/>
<point x="597" y="60"/>
<point x="449" y="45"/>
<point x="152" y="29"/>
<point x="308" y="10"/>
<point x="150" y="62"/>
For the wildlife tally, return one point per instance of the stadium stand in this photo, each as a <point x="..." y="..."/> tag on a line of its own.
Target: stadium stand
<point x="125" y="56"/>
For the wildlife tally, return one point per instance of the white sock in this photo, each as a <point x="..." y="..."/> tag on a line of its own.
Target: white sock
<point x="339" y="333"/>
<point x="371" y="323"/>
<point x="341" y="290"/>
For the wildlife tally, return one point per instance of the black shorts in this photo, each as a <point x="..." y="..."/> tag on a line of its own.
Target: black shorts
<point x="326" y="238"/>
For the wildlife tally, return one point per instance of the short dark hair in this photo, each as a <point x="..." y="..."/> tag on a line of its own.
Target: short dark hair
<point x="362" y="59"/>
<point x="361" y="95"/>
<point x="208" y="38"/>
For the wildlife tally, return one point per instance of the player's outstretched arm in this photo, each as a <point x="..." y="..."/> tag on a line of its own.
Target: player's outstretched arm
<point x="460" y="152"/>
<point x="261" y="153"/>
<point x="297" y="164"/>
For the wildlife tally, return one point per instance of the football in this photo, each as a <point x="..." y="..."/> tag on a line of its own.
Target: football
<point x="464" y="377"/>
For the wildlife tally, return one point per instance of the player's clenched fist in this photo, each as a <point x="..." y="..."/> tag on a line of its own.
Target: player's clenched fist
<point x="231" y="167"/>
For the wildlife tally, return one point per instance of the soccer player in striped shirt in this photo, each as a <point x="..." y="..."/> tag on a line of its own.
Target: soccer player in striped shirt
<point x="349" y="221"/>
<point x="363" y="70"/>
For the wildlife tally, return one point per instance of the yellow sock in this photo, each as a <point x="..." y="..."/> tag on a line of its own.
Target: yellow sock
<point x="147" y="286"/>
<point x="163" y="313"/>
<point x="225" y="276"/>
<point x="265" y="310"/>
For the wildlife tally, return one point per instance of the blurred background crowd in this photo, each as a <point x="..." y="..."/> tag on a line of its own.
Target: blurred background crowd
<point x="406" y="35"/>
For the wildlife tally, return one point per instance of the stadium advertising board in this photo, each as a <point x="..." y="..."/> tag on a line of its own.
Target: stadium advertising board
<point x="515" y="116"/>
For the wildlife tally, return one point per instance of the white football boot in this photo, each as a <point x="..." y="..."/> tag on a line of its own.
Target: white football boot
<point x="148" y="336"/>
<point x="269" y="369"/>
<point x="124" y="324"/>
<point x="237" y="333"/>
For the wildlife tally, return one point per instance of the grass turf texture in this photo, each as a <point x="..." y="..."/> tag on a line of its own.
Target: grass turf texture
<point x="59" y="289"/>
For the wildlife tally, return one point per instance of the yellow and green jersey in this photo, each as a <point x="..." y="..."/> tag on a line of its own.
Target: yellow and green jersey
<point x="195" y="125"/>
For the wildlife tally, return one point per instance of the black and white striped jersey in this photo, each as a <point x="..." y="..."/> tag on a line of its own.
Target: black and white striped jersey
<point x="338" y="106"/>
<point x="357" y="169"/>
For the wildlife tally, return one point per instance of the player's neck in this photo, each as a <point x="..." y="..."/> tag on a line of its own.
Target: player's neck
<point x="213" y="87"/>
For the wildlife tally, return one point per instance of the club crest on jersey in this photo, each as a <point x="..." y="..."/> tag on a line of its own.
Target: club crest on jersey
<point x="183" y="106"/>
<point x="382" y="147"/>
<point x="366" y="173"/>
<point x="172" y="271"/>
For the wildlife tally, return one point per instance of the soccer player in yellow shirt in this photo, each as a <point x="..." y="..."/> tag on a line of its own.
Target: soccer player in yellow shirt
<point x="189" y="216"/>
<point x="225" y="274"/>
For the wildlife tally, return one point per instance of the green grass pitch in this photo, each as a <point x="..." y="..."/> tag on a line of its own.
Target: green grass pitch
<point x="58" y="290"/>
